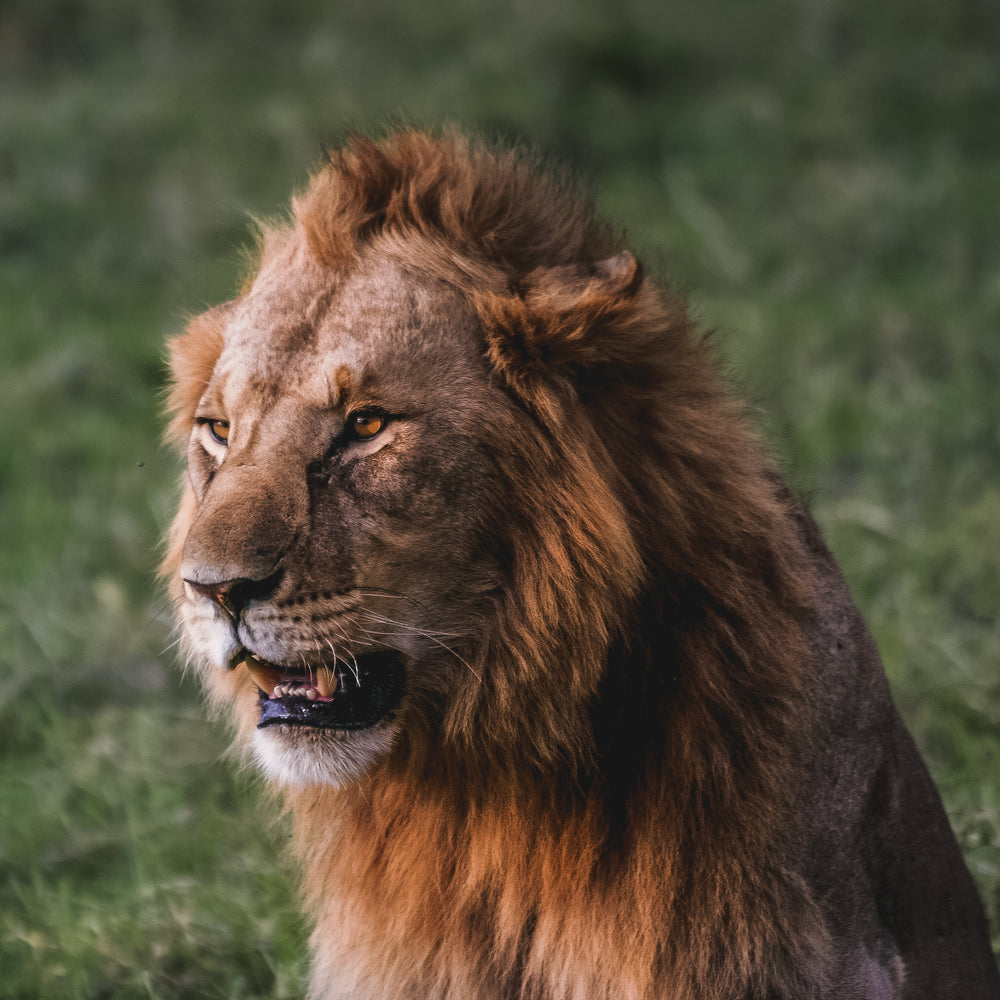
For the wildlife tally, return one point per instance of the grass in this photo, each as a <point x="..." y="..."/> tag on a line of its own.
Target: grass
<point x="825" y="179"/>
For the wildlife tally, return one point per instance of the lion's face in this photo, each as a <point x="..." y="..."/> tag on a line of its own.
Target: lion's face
<point x="333" y="559"/>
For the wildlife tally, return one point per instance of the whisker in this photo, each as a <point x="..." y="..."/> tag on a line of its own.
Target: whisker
<point x="172" y="645"/>
<point x="307" y="666"/>
<point x="380" y="592"/>
<point x="357" y="669"/>
<point x="426" y="634"/>
<point x="348" y="640"/>
<point x="392" y="621"/>
<point x="337" y="658"/>
<point x="163" y="604"/>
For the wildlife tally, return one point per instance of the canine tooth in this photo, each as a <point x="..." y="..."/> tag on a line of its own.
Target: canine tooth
<point x="263" y="677"/>
<point x="326" y="681"/>
<point x="312" y="694"/>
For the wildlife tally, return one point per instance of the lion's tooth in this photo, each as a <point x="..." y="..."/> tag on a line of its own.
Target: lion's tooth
<point x="265" y="678"/>
<point x="326" y="681"/>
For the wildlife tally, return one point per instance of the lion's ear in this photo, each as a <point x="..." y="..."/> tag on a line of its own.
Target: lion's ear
<point x="570" y="287"/>
<point x="193" y="355"/>
<point x="562" y="323"/>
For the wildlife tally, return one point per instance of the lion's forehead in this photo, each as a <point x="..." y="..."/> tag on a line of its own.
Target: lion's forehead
<point x="378" y="329"/>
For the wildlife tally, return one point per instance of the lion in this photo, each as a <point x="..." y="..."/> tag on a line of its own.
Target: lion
<point x="564" y="692"/>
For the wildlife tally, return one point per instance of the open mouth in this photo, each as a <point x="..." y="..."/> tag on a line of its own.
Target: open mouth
<point x="345" y="695"/>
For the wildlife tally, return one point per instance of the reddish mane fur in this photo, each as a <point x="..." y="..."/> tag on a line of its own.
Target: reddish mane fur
<point x="599" y="814"/>
<point x="672" y="559"/>
<point x="479" y="202"/>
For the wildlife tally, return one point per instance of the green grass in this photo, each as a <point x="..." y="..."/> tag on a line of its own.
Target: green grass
<point x="824" y="178"/>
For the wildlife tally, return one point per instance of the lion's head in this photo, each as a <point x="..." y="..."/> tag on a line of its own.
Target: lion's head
<point x="426" y="453"/>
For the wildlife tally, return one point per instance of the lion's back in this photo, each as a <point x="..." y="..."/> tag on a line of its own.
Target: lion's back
<point x="884" y="864"/>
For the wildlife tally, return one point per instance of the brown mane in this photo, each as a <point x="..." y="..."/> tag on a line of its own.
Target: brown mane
<point x="659" y="591"/>
<point x="488" y="205"/>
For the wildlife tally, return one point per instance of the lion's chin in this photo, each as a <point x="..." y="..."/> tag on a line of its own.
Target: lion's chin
<point x="299" y="755"/>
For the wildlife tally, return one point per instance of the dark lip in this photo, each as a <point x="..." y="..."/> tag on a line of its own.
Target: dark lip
<point x="369" y="690"/>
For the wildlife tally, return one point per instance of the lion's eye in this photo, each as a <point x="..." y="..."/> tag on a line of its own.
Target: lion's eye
<point x="366" y="425"/>
<point x="219" y="430"/>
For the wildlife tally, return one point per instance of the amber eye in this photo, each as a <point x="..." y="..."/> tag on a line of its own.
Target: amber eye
<point x="366" y="425"/>
<point x="219" y="429"/>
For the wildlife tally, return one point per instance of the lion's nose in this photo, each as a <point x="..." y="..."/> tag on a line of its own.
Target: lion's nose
<point x="234" y="595"/>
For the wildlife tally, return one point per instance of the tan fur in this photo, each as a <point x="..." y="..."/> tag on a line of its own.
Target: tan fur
<point x="589" y="788"/>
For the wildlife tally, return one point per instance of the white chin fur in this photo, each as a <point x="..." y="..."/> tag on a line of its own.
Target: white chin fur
<point x="298" y="756"/>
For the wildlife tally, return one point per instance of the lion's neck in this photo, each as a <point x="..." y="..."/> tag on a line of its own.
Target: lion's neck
<point x="432" y="896"/>
<point x="441" y="899"/>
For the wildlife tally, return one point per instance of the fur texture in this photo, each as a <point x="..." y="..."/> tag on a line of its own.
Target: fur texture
<point x="645" y="748"/>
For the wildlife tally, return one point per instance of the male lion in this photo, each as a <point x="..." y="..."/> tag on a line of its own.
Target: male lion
<point x="566" y="695"/>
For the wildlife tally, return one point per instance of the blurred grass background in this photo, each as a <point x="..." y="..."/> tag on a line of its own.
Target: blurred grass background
<point x="823" y="175"/>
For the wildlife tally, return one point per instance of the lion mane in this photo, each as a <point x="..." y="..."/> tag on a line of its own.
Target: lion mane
<point x="642" y="746"/>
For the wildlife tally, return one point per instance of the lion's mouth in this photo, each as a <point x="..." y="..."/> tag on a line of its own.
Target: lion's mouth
<point x="354" y="694"/>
